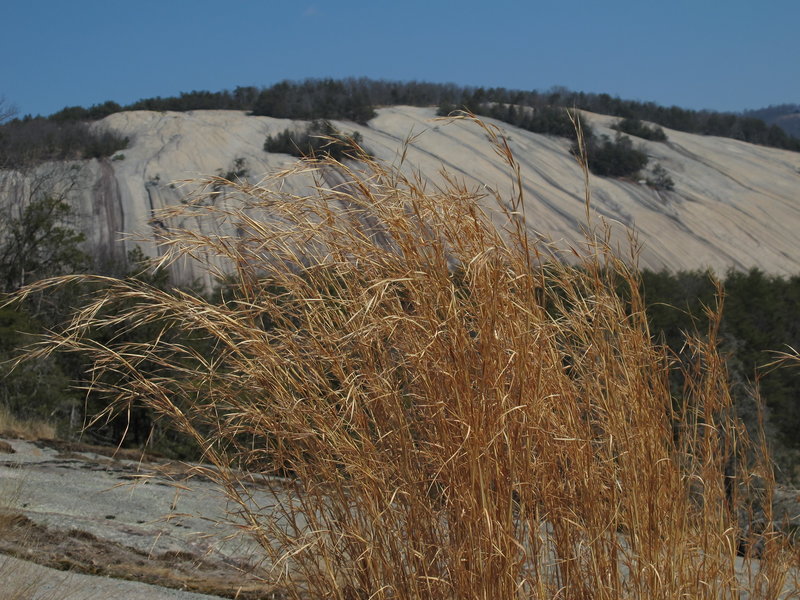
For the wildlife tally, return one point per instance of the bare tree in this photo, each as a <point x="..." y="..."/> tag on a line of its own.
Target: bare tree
<point x="7" y="111"/>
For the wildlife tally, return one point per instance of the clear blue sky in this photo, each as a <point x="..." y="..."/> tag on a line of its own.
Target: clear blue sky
<point x="718" y="54"/>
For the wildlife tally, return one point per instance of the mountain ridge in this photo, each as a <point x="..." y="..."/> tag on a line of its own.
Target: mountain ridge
<point x="785" y="116"/>
<point x="734" y="204"/>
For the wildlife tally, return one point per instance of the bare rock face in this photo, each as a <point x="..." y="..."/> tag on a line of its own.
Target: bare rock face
<point x="734" y="205"/>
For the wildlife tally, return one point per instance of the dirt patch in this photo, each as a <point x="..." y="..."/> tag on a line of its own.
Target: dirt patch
<point x="5" y="448"/>
<point x="82" y="552"/>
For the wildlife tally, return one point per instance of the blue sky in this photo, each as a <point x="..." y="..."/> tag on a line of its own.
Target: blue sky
<point x="718" y="54"/>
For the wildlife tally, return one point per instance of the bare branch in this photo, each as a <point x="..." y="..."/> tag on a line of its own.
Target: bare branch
<point x="7" y="111"/>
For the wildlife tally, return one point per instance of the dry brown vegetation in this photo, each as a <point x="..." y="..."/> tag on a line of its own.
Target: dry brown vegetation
<point x="30" y="429"/>
<point x="76" y="551"/>
<point x="18" y="580"/>
<point x="441" y="405"/>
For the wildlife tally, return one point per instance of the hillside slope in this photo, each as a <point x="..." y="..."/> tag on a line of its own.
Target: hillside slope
<point x="734" y="204"/>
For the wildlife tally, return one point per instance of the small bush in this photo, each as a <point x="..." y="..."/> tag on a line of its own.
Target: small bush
<point x="660" y="179"/>
<point x="636" y="128"/>
<point x="554" y="120"/>
<point x="445" y="109"/>
<point x="318" y="139"/>
<point x="34" y="391"/>
<point x="237" y="171"/>
<point x="613" y="158"/>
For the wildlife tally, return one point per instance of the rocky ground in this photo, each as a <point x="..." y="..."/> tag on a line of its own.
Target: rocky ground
<point x="26" y="580"/>
<point x="87" y="523"/>
<point x="69" y="508"/>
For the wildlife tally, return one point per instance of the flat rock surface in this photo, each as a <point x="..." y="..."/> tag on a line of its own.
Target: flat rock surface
<point x="102" y="526"/>
<point x="77" y="510"/>
<point x="24" y="579"/>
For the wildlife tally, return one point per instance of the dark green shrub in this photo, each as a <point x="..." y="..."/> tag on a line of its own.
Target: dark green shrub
<point x="660" y="179"/>
<point x="549" y="120"/>
<point x="237" y="171"/>
<point x="35" y="242"/>
<point x="555" y="120"/>
<point x="39" y="389"/>
<point x="636" y="128"/>
<point x="320" y="137"/>
<point x="759" y="319"/>
<point x="445" y="109"/>
<point x="612" y="158"/>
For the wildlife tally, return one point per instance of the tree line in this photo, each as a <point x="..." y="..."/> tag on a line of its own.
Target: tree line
<point x="67" y="134"/>
<point x="32" y="141"/>
<point x="786" y="116"/>
<point x="355" y="99"/>
<point x="759" y="319"/>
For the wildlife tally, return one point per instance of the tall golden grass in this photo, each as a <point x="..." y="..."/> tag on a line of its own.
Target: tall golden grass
<point x="31" y="429"/>
<point x="441" y="405"/>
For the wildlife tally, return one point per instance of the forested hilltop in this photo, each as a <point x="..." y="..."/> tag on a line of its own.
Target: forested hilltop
<point x="355" y="100"/>
<point x="58" y="136"/>
<point x="785" y="116"/>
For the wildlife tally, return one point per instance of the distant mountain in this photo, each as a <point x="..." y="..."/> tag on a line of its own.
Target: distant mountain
<point x="733" y="205"/>
<point x="785" y="116"/>
<point x="356" y="100"/>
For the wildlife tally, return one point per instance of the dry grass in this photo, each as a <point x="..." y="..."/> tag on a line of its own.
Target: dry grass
<point x="23" y="581"/>
<point x="442" y="406"/>
<point x="19" y="579"/>
<point x="11" y="426"/>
